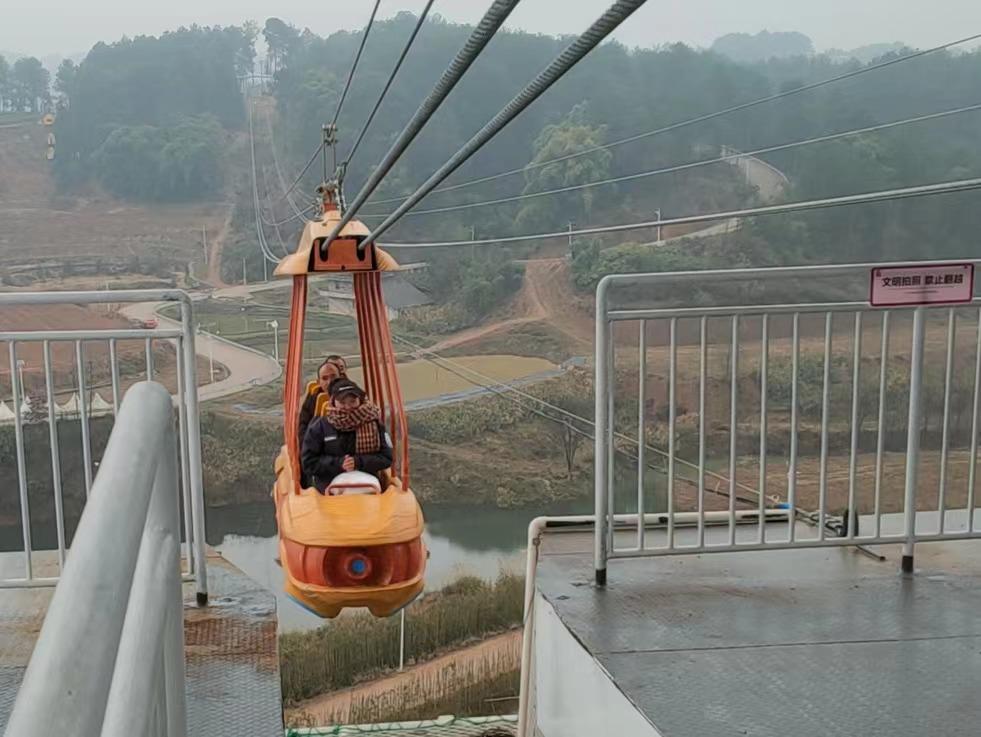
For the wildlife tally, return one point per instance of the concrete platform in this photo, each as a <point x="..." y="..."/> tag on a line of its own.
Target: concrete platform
<point x="233" y="685"/>
<point x="800" y="643"/>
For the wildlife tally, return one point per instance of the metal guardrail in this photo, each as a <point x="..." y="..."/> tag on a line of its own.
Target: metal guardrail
<point x="80" y="406"/>
<point x="110" y="656"/>
<point x="898" y="379"/>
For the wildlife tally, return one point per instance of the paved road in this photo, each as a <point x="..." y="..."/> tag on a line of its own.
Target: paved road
<point x="246" y="367"/>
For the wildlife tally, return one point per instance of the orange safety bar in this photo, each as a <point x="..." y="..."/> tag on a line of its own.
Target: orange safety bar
<point x="294" y="369"/>
<point x="378" y="360"/>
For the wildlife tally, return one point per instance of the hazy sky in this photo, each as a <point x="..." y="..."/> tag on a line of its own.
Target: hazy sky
<point x="70" y="26"/>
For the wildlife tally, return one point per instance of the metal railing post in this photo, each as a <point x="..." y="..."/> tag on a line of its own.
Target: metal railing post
<point x="17" y="392"/>
<point x="601" y="450"/>
<point x="194" y="451"/>
<point x="913" y="439"/>
<point x="65" y="688"/>
<point x="641" y="431"/>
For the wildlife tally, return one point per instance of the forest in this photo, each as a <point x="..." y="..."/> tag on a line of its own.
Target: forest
<point x="148" y="117"/>
<point x="24" y="85"/>
<point x="619" y="92"/>
<point x="156" y="119"/>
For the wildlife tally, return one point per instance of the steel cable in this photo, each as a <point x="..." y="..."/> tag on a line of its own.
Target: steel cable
<point x="573" y="54"/>
<point x="698" y="119"/>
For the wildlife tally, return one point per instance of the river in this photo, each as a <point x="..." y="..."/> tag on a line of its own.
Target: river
<point x="462" y="539"/>
<point x="480" y="541"/>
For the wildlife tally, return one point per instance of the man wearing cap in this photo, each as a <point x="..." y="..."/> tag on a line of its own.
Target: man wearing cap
<point x="350" y="437"/>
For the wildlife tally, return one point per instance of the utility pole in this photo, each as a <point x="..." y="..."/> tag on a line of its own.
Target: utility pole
<point x="204" y="243"/>
<point x="274" y="324"/>
<point x="571" y="226"/>
<point x="402" y="641"/>
<point x="265" y="269"/>
<point x="473" y="237"/>
<point x="658" y="213"/>
<point x="245" y="273"/>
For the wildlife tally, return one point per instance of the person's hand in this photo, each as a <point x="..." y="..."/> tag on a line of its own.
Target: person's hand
<point x="348" y="463"/>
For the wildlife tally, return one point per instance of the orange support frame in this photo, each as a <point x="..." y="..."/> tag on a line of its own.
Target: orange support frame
<point x="378" y="366"/>
<point x="380" y="370"/>
<point x="294" y="379"/>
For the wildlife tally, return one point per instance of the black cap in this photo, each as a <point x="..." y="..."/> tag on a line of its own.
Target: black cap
<point x="340" y="387"/>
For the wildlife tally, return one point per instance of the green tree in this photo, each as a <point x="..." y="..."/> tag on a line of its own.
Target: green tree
<point x="31" y="84"/>
<point x="572" y="135"/>
<point x="281" y="38"/>
<point x="178" y="163"/>
<point x="5" y="84"/>
<point x="155" y="82"/>
<point x="64" y="83"/>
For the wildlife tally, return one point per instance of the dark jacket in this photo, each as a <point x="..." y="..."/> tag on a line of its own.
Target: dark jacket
<point x="324" y="448"/>
<point x="306" y="413"/>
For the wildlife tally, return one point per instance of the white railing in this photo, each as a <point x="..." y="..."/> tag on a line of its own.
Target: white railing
<point x="86" y="398"/>
<point x="110" y="656"/>
<point x="860" y="387"/>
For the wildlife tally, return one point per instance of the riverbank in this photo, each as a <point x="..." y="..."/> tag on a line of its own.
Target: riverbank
<point x="357" y="647"/>
<point x="478" y="679"/>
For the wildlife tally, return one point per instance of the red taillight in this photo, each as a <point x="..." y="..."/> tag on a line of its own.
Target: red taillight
<point x="375" y="565"/>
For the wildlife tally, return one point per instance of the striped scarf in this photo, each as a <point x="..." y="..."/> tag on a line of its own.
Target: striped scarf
<point x="363" y="421"/>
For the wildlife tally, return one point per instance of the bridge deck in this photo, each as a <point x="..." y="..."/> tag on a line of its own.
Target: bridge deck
<point x="776" y="643"/>
<point x="232" y="664"/>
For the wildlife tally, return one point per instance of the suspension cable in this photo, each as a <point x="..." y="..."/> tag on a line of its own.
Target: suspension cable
<point x="388" y="84"/>
<point x="260" y="236"/>
<point x="279" y="171"/>
<point x="574" y="53"/>
<point x="695" y="164"/>
<point x="887" y="195"/>
<point x="301" y="214"/>
<point x="698" y="119"/>
<point x="496" y="14"/>
<point x="279" y="236"/>
<point x="354" y="64"/>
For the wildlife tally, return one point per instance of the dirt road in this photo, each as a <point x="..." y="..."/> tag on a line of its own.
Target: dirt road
<point x="545" y="296"/>
<point x="214" y="250"/>
<point x="246" y="367"/>
<point x="334" y="707"/>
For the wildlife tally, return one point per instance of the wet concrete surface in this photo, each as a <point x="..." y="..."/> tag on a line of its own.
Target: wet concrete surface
<point x="233" y="685"/>
<point x="775" y="643"/>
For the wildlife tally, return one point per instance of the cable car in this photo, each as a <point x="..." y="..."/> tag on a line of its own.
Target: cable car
<point x="360" y="544"/>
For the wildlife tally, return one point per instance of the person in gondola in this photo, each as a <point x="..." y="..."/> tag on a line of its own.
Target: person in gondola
<point x="326" y="373"/>
<point x="339" y="363"/>
<point x="350" y="437"/>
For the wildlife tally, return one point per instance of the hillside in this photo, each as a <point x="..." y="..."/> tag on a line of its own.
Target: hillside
<point x="46" y="235"/>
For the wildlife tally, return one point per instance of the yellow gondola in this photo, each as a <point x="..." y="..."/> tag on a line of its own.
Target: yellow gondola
<point x="362" y="548"/>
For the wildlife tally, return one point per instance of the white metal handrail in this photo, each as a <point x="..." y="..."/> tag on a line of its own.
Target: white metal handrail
<point x="186" y="401"/>
<point x="849" y="528"/>
<point x="110" y="656"/>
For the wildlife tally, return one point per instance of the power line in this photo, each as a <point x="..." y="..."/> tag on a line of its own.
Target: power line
<point x="696" y="164"/>
<point x="388" y="84"/>
<point x="504" y="390"/>
<point x="924" y="190"/>
<point x="697" y="119"/>
<point x="354" y="64"/>
<point x="496" y="14"/>
<point x="572" y="55"/>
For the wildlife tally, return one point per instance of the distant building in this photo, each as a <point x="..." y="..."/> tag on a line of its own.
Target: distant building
<point x="400" y="295"/>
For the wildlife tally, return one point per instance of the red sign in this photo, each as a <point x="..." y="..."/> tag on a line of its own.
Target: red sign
<point x="924" y="284"/>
